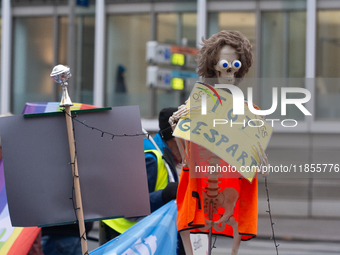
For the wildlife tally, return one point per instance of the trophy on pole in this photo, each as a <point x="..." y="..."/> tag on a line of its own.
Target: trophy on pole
<point x="38" y="185"/>
<point x="61" y="74"/>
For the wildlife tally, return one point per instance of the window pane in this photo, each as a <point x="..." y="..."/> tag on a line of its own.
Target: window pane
<point x="272" y="50"/>
<point x="82" y="75"/>
<point x="327" y="65"/>
<point x="127" y="36"/>
<point x="297" y="45"/>
<point x="167" y="26"/>
<point x="32" y="62"/>
<point x="85" y="58"/>
<point x="283" y="42"/>
<point x="328" y="41"/>
<point x="62" y="54"/>
<point x="62" y="43"/>
<point x="189" y="21"/>
<point x="175" y="29"/>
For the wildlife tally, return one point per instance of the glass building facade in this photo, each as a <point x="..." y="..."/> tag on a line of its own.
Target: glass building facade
<point x="295" y="44"/>
<point x="277" y="30"/>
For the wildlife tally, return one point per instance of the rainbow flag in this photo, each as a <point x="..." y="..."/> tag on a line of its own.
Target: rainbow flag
<point x="13" y="241"/>
<point x="52" y="107"/>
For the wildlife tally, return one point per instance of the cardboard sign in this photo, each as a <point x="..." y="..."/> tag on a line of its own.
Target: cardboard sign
<point x="199" y="244"/>
<point x="230" y="137"/>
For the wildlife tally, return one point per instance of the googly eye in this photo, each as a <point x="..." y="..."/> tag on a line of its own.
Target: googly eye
<point x="237" y="64"/>
<point x="224" y="64"/>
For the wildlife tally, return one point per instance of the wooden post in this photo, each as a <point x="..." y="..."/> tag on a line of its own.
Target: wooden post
<point x="61" y="74"/>
<point x="80" y="213"/>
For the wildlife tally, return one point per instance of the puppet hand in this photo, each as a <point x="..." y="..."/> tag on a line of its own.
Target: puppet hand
<point x="263" y="160"/>
<point x="182" y="111"/>
<point x="170" y="192"/>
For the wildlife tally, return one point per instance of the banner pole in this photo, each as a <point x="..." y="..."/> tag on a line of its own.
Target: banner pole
<point x="61" y="74"/>
<point x="80" y="213"/>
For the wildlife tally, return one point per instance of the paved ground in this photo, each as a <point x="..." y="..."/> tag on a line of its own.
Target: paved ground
<point x="296" y="236"/>
<point x="299" y="229"/>
<point x="266" y="247"/>
<point x="295" y="232"/>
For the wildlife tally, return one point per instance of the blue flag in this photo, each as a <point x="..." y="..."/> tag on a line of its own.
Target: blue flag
<point x="156" y="234"/>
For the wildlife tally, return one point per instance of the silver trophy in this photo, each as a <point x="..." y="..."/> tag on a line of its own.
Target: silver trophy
<point x="60" y="74"/>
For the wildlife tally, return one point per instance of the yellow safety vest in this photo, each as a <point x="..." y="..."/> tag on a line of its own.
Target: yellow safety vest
<point x="121" y="224"/>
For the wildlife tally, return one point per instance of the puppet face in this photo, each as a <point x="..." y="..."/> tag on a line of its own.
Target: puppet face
<point x="228" y="64"/>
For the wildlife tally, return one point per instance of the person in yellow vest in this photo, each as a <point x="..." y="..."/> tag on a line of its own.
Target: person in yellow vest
<point x="161" y="191"/>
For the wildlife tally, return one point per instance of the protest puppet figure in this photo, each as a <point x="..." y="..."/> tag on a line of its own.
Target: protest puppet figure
<point x="226" y="203"/>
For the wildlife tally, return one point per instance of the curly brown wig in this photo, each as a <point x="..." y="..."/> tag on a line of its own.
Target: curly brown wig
<point x="208" y="54"/>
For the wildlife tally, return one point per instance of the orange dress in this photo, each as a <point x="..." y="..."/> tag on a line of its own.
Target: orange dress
<point x="190" y="208"/>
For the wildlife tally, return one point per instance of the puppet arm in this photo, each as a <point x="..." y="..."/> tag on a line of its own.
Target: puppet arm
<point x="182" y="111"/>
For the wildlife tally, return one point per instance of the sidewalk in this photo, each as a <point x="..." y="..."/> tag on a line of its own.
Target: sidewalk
<point x="288" y="232"/>
<point x="300" y="229"/>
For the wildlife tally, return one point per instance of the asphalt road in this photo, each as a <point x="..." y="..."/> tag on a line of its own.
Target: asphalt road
<point x="267" y="247"/>
<point x="263" y="246"/>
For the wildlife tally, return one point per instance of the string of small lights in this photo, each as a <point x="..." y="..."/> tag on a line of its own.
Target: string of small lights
<point x="270" y="216"/>
<point x="213" y="245"/>
<point x="74" y="117"/>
